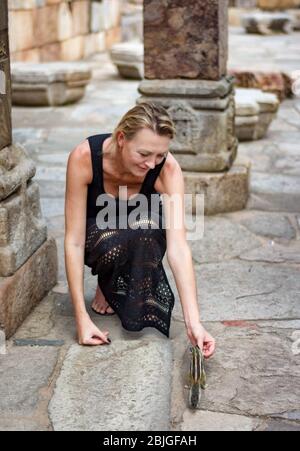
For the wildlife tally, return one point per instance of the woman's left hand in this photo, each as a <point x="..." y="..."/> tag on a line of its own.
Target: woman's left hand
<point x="199" y="336"/>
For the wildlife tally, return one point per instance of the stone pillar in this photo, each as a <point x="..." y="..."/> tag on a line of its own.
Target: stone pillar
<point x="28" y="260"/>
<point x="186" y="47"/>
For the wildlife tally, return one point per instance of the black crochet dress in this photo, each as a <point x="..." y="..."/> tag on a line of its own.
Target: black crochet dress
<point x="128" y="261"/>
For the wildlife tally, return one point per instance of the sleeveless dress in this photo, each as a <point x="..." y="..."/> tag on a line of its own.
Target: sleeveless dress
<point x="128" y="260"/>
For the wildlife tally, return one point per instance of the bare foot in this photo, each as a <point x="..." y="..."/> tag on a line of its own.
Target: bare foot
<point x="99" y="303"/>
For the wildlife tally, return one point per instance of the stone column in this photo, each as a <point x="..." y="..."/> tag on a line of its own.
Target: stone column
<point x="28" y="260"/>
<point x="186" y="45"/>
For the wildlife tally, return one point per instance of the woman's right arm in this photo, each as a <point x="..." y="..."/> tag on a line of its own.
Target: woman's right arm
<point x="77" y="179"/>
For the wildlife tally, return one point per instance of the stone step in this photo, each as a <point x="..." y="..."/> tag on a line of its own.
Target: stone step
<point x="120" y="387"/>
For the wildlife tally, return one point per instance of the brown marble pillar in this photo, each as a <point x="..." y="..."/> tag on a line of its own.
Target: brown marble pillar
<point x="185" y="59"/>
<point x="28" y="259"/>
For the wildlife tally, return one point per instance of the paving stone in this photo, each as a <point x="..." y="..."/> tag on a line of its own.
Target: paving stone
<point x="257" y="368"/>
<point x="214" y="421"/>
<point x="23" y="373"/>
<point x="274" y="253"/>
<point x="236" y="289"/>
<point x="37" y="342"/>
<point x="278" y="426"/>
<point x="267" y="224"/>
<point x="222" y="240"/>
<point x="279" y="192"/>
<point x="140" y="396"/>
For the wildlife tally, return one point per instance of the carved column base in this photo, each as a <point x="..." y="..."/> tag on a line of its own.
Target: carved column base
<point x="224" y="192"/>
<point x="20" y="293"/>
<point x="203" y="112"/>
<point x="28" y="261"/>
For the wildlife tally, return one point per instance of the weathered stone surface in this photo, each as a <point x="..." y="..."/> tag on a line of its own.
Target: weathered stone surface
<point x="203" y="112"/>
<point x="277" y="192"/>
<point x="129" y="59"/>
<point x="29" y="4"/>
<point x="65" y="22"/>
<point x="111" y="13"/>
<point x="273" y="82"/>
<point x="96" y="17"/>
<point x="45" y="25"/>
<point x="274" y="253"/>
<point x="222" y="240"/>
<point x="81" y="17"/>
<point x="23" y="373"/>
<point x="295" y="16"/>
<point x="2" y="343"/>
<point x="15" y="169"/>
<point x="18" y="22"/>
<point x="260" y="354"/>
<point x="22" y="228"/>
<point x="255" y="111"/>
<point x="186" y="40"/>
<point x="141" y="394"/>
<point x="214" y="421"/>
<point x="271" y="225"/>
<point x="24" y="290"/>
<point x="278" y="4"/>
<point x="251" y="374"/>
<point x="5" y="103"/>
<point x="266" y="23"/>
<point x="232" y="290"/>
<point x="132" y="21"/>
<point x="49" y="83"/>
<point x="37" y="342"/>
<point x="112" y="36"/>
<point x="223" y="191"/>
<point x="279" y="426"/>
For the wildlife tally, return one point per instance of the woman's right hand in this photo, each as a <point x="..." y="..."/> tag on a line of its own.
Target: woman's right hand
<point x="89" y="334"/>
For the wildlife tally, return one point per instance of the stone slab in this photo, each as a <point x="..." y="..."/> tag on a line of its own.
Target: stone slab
<point x="20" y="293"/>
<point x="234" y="290"/>
<point x="214" y="421"/>
<point x="22" y="228"/>
<point x="275" y="192"/>
<point x="24" y="372"/>
<point x="249" y="353"/>
<point x="253" y="374"/>
<point x="49" y="83"/>
<point x="140" y="399"/>
<point x="267" y="23"/>
<point x="269" y="225"/>
<point x="223" y="191"/>
<point x="222" y="240"/>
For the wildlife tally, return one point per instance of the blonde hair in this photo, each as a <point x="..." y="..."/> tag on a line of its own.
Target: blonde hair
<point x="145" y="115"/>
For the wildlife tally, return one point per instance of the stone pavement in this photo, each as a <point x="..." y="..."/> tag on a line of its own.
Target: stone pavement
<point x="247" y="268"/>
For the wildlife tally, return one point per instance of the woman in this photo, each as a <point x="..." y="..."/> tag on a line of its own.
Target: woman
<point x="128" y="261"/>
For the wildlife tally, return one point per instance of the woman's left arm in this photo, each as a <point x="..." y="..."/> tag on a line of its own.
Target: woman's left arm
<point x="180" y="256"/>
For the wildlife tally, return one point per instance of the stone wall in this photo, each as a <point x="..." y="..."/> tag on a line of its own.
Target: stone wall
<point x="67" y="30"/>
<point x="278" y="4"/>
<point x="243" y="3"/>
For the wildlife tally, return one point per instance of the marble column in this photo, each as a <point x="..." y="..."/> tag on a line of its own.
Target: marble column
<point x="186" y="50"/>
<point x="28" y="258"/>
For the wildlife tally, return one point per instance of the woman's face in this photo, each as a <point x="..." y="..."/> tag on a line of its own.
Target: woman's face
<point x="144" y="151"/>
